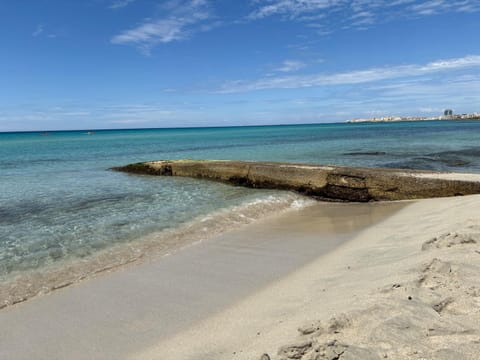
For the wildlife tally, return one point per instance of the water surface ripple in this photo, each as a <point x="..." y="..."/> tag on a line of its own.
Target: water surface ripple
<point x="59" y="203"/>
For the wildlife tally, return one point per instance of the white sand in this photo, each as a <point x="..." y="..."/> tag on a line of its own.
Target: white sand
<point x="248" y="292"/>
<point x="359" y="295"/>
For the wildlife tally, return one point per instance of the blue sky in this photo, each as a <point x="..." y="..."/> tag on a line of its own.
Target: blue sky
<point x="69" y="64"/>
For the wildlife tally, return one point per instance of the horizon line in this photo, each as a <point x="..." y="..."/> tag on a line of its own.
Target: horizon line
<point x="346" y="122"/>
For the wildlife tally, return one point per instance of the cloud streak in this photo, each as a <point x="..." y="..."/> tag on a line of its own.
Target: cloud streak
<point x="183" y="19"/>
<point x="355" y="13"/>
<point x="118" y="4"/>
<point x="290" y="66"/>
<point x="38" y="31"/>
<point x="432" y="7"/>
<point x="291" y="8"/>
<point x="352" y="77"/>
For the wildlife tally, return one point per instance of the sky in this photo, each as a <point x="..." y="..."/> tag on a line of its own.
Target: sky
<point x="95" y="64"/>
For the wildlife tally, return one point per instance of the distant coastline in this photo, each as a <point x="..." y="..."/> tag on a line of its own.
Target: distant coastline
<point x="448" y="115"/>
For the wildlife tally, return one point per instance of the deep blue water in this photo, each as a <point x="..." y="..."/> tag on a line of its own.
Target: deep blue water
<point x="59" y="200"/>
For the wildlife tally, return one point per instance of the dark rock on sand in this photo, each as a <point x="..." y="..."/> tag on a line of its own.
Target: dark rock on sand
<point x="310" y="328"/>
<point x="441" y="305"/>
<point x="294" y="351"/>
<point x="334" y="350"/>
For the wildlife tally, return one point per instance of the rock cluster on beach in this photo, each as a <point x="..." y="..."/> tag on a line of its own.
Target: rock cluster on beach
<point x="435" y="316"/>
<point x="336" y="183"/>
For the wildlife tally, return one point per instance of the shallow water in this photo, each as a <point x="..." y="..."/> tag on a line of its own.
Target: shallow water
<point x="126" y="313"/>
<point x="60" y="203"/>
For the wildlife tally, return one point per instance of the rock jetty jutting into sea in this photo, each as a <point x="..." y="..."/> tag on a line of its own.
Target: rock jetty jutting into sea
<point x="336" y="183"/>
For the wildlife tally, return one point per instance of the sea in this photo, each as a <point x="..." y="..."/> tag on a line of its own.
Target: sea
<point x="66" y="216"/>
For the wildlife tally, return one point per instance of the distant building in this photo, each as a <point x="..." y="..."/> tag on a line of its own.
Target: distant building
<point x="447" y="115"/>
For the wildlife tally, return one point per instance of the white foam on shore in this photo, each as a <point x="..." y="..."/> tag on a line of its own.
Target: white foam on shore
<point x="21" y="286"/>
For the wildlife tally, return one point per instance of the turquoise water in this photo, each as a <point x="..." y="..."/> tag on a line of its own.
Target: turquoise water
<point x="60" y="202"/>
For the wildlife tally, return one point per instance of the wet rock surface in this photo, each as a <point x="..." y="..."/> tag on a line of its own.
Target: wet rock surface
<point x="335" y="183"/>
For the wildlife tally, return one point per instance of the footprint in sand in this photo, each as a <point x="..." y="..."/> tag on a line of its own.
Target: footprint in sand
<point x="451" y="239"/>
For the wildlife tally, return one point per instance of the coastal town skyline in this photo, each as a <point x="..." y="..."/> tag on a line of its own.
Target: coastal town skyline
<point x="448" y="114"/>
<point x="190" y="63"/>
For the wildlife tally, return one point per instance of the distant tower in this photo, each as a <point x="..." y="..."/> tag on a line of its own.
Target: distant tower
<point x="448" y="112"/>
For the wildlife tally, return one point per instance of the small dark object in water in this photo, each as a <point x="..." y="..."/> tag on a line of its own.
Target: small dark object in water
<point x="457" y="162"/>
<point x="365" y="153"/>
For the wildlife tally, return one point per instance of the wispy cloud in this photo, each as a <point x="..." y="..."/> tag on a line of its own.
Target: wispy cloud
<point x="118" y="4"/>
<point x="355" y="13"/>
<point x="84" y="116"/>
<point x="291" y="8"/>
<point x="42" y="32"/>
<point x="352" y="77"/>
<point x="290" y="66"/>
<point x="428" y="89"/>
<point x="183" y="19"/>
<point x="39" y="30"/>
<point x="432" y="7"/>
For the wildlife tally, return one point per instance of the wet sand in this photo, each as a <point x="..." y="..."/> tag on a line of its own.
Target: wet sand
<point x="129" y="313"/>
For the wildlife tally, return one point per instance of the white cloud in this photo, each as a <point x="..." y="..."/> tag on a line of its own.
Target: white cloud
<point x="291" y="8"/>
<point x="432" y="7"/>
<point x="87" y="116"/>
<point x="352" y="77"/>
<point x="355" y="13"/>
<point x="159" y="31"/>
<point x="117" y="4"/>
<point x="183" y="19"/>
<point x="443" y="88"/>
<point x="38" y="31"/>
<point x="290" y="66"/>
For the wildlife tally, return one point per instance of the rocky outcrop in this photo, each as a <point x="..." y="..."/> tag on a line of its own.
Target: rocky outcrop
<point x="338" y="183"/>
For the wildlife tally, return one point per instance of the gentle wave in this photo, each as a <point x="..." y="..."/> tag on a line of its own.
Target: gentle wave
<point x="22" y="285"/>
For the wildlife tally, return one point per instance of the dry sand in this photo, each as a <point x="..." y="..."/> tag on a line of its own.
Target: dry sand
<point x="407" y="288"/>
<point x="357" y="281"/>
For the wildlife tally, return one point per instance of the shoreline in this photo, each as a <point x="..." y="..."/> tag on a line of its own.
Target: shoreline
<point x="128" y="310"/>
<point x="401" y="284"/>
<point x="26" y="285"/>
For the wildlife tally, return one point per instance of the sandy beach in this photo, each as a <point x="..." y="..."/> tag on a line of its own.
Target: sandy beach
<point x="330" y="281"/>
<point x="240" y="180"/>
<point x="406" y="288"/>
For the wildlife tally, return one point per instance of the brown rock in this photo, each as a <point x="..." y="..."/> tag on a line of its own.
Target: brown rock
<point x="337" y="183"/>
